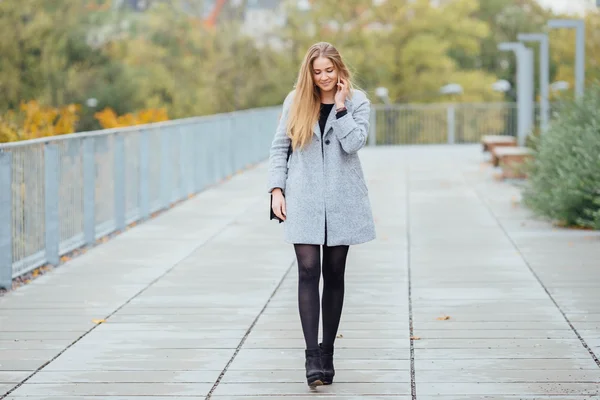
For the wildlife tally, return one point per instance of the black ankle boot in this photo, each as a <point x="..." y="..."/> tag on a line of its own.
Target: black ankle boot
<point x="327" y="363"/>
<point x="314" y="371"/>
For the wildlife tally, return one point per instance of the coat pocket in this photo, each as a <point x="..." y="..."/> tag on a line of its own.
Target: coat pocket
<point x="358" y="181"/>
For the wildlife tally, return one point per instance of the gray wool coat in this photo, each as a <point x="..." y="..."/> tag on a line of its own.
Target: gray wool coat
<point x="323" y="183"/>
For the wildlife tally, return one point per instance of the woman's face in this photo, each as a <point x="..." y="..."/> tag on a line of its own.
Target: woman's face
<point x="324" y="74"/>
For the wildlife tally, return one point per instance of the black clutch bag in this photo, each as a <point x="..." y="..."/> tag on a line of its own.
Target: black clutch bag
<point x="271" y="213"/>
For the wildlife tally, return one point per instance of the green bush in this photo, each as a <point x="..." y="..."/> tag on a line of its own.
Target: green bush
<point x="564" y="176"/>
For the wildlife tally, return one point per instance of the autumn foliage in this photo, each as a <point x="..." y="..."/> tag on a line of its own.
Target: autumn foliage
<point x="34" y="120"/>
<point x="109" y="119"/>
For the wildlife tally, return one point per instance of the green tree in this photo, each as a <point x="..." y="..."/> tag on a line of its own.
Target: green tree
<point x="402" y="45"/>
<point x="562" y="51"/>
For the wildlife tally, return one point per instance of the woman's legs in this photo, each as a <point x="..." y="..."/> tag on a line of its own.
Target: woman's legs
<point x="309" y="274"/>
<point x="334" y="266"/>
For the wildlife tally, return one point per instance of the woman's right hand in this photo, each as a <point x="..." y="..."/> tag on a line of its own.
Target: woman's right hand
<point x="279" y="203"/>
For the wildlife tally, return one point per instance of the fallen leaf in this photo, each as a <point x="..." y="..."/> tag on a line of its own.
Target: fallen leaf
<point x="98" y="321"/>
<point x="415" y="338"/>
<point x="444" y="318"/>
<point x="339" y="336"/>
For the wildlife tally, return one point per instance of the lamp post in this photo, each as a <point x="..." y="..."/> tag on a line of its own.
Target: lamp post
<point x="524" y="58"/>
<point x="542" y="38"/>
<point x="579" y="26"/>
<point x="451" y="89"/>
<point x="502" y="86"/>
<point x="383" y="94"/>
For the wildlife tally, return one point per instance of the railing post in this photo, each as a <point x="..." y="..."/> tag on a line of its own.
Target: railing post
<point x="191" y="152"/>
<point x="119" y="176"/>
<point x="144" y="175"/>
<point x="51" y="180"/>
<point x="6" y="234"/>
<point x="451" y="119"/>
<point x="165" y="168"/>
<point x="183" y="176"/>
<point x="373" y="127"/>
<point x="89" y="191"/>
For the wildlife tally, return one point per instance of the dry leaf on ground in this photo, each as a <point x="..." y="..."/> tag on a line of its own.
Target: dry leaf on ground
<point x="444" y="318"/>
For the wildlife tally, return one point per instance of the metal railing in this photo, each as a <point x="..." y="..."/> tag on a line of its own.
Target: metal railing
<point x="441" y="123"/>
<point x="61" y="193"/>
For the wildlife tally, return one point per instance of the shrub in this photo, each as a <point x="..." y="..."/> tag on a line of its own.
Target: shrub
<point x="109" y="119"/>
<point x="34" y="120"/>
<point x="564" y="176"/>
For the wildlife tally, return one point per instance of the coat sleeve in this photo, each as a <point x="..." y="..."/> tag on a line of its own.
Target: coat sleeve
<point x="352" y="129"/>
<point x="279" y="148"/>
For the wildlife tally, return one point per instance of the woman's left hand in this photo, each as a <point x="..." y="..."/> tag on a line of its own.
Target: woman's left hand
<point x="341" y="94"/>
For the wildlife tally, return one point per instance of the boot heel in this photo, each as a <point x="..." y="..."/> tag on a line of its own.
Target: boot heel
<point x="314" y="370"/>
<point x="327" y="363"/>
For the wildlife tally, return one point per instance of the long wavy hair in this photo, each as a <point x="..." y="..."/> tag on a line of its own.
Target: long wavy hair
<point x="305" y="107"/>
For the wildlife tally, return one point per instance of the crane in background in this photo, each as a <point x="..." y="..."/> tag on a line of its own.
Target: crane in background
<point x="211" y="20"/>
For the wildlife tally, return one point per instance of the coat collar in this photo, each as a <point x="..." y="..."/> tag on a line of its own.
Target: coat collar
<point x="329" y="122"/>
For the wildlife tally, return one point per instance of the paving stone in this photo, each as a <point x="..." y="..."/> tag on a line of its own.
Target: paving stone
<point x="506" y="363"/>
<point x="13" y="376"/>
<point x="48" y="344"/>
<point x="342" y="376"/>
<point x="114" y="389"/>
<point x="482" y="389"/>
<point x="159" y="376"/>
<point x="340" y="343"/>
<point x="287" y="389"/>
<point x="495" y="375"/>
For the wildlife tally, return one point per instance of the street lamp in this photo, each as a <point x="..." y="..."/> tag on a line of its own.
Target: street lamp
<point x="92" y="102"/>
<point x="579" y="26"/>
<point x="502" y="85"/>
<point x="542" y="38"/>
<point x="383" y="94"/>
<point x="451" y="88"/>
<point x="524" y="57"/>
<point x="560" y="86"/>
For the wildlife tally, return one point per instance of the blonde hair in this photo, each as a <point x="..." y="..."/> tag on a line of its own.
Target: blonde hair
<point x="305" y="107"/>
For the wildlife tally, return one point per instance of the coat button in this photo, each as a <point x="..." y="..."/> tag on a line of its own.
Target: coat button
<point x="327" y="141"/>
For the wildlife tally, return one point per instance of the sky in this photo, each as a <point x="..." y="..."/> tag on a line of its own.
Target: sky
<point x="568" y="6"/>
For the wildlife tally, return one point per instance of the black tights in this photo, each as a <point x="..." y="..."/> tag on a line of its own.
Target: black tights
<point x="309" y="272"/>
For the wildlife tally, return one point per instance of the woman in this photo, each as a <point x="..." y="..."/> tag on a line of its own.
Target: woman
<point x="326" y="199"/>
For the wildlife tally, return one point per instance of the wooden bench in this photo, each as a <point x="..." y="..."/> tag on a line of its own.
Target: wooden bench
<point x="510" y="159"/>
<point x="490" y="142"/>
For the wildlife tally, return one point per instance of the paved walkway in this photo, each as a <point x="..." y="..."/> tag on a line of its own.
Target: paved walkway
<point x="201" y="302"/>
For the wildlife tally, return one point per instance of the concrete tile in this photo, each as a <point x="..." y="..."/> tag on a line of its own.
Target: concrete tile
<point x="495" y="375"/>
<point x="286" y="389"/>
<point x="48" y="344"/>
<point x="13" y="376"/>
<point x="140" y="359"/>
<point x="506" y="363"/>
<point x="313" y="395"/>
<point x="502" y="353"/>
<point x="342" y="376"/>
<point x="518" y="389"/>
<point x="131" y="377"/>
<point x="114" y="389"/>
<point x="343" y="342"/>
